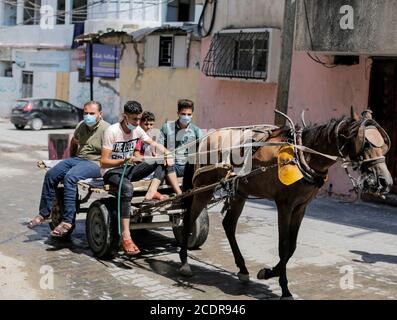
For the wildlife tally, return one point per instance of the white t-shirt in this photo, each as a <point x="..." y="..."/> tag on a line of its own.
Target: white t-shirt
<point x="122" y="144"/>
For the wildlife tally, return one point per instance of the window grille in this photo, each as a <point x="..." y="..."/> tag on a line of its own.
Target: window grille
<point x="238" y="55"/>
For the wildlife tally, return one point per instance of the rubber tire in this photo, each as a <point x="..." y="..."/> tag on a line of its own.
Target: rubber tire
<point x="199" y="233"/>
<point x="101" y="230"/>
<point x="36" y="124"/>
<point x="57" y="209"/>
<point x="19" y="126"/>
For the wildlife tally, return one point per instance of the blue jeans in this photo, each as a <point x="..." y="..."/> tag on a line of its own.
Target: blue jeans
<point x="70" y="171"/>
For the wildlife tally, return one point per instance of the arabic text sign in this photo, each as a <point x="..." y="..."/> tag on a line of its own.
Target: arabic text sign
<point x="105" y="61"/>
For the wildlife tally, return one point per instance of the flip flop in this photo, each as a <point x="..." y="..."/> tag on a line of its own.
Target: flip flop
<point x="129" y="247"/>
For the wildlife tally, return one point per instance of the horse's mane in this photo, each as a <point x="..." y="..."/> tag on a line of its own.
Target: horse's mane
<point x="321" y="132"/>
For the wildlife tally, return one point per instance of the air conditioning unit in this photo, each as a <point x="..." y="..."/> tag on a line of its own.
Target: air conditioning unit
<point x="244" y="54"/>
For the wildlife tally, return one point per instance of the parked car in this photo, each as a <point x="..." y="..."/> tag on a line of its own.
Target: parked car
<point x="37" y="113"/>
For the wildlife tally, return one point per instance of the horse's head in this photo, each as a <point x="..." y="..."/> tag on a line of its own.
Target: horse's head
<point x="368" y="144"/>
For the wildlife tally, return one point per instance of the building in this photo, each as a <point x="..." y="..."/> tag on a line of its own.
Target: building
<point x="38" y="55"/>
<point x="343" y="58"/>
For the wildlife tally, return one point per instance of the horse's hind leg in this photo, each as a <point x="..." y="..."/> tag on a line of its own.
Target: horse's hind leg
<point x="200" y="201"/>
<point x="229" y="225"/>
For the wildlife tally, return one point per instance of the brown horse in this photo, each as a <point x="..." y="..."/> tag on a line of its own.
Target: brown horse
<point x="359" y="140"/>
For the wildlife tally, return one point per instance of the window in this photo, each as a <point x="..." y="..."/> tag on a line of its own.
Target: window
<point x="238" y="55"/>
<point x="27" y="84"/>
<point x="180" y="11"/>
<point x="6" y="67"/>
<point x="79" y="11"/>
<point x="31" y="12"/>
<point x="60" y="105"/>
<point x="165" y="51"/>
<point x="10" y="12"/>
<point x="61" y="12"/>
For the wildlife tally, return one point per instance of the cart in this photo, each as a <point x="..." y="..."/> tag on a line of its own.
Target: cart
<point x="99" y="201"/>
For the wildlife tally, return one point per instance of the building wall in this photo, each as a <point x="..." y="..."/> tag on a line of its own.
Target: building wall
<point x="105" y="91"/>
<point x="8" y="93"/>
<point x="364" y="27"/>
<point x="158" y="89"/>
<point x="249" y="14"/>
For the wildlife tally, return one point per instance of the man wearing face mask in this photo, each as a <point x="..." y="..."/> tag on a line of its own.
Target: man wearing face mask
<point x="175" y="134"/>
<point x="85" y="152"/>
<point x="118" y="147"/>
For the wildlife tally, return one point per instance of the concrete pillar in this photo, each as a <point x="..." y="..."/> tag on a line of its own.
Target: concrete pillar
<point x="20" y="5"/>
<point x="68" y="11"/>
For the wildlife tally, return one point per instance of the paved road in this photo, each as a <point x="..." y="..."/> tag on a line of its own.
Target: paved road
<point x="345" y="251"/>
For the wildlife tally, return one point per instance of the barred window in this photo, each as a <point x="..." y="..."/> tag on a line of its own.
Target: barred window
<point x="238" y="55"/>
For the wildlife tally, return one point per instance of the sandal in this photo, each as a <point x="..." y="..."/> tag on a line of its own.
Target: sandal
<point x="62" y="230"/>
<point x="36" y="221"/>
<point x="129" y="247"/>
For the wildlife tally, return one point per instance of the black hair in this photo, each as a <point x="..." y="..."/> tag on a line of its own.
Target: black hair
<point x="133" y="107"/>
<point x="98" y="104"/>
<point x="148" y="116"/>
<point x="185" y="104"/>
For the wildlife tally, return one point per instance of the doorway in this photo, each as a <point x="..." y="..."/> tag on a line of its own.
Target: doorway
<point x="383" y="103"/>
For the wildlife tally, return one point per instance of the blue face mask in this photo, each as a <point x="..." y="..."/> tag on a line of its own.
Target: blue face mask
<point x="131" y="126"/>
<point x="90" y="120"/>
<point x="185" y="120"/>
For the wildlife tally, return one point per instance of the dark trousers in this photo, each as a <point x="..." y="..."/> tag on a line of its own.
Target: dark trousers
<point x="133" y="173"/>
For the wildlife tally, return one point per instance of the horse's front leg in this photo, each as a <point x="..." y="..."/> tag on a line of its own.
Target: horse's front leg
<point x="296" y="219"/>
<point x="229" y="225"/>
<point x="280" y="270"/>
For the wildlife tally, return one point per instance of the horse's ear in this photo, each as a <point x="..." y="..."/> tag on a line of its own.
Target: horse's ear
<point x="367" y="114"/>
<point x="354" y="115"/>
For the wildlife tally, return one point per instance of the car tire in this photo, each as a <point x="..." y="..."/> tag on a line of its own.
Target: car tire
<point x="36" y="124"/>
<point x="19" y="126"/>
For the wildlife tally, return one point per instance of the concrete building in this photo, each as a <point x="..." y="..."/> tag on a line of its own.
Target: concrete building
<point x="349" y="41"/>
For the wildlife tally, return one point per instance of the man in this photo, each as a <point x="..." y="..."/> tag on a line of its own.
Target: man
<point x="174" y="135"/>
<point x="118" y="147"/>
<point x="85" y="151"/>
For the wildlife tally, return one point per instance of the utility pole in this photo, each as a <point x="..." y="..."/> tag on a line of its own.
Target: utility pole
<point x="91" y="46"/>
<point x="286" y="60"/>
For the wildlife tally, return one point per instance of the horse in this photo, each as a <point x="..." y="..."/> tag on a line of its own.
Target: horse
<point x="355" y="140"/>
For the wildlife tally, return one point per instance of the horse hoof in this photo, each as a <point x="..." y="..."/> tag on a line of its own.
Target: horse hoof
<point x="186" y="271"/>
<point x="287" y="298"/>
<point x="244" y="278"/>
<point x="264" y="274"/>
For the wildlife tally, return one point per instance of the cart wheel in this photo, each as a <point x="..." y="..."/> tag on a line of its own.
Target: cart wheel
<point x="199" y="232"/>
<point x="101" y="229"/>
<point x="57" y="209"/>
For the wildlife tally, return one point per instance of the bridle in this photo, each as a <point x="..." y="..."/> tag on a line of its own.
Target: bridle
<point x="356" y="159"/>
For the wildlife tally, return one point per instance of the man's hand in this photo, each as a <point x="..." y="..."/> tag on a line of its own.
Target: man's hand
<point x="132" y="160"/>
<point x="169" y="160"/>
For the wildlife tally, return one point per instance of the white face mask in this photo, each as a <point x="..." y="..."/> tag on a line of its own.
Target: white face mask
<point x="185" y="120"/>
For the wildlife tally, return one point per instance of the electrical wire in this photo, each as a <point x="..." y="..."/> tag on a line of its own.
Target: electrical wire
<point x="201" y="21"/>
